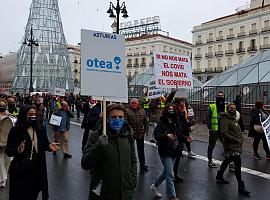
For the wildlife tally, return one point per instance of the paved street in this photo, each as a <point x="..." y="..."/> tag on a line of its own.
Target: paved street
<point x="68" y="181"/>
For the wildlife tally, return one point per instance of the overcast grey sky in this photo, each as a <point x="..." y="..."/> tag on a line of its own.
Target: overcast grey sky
<point x="177" y="16"/>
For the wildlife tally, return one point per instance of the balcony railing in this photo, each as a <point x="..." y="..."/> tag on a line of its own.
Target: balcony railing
<point x="143" y="53"/>
<point x="252" y="49"/>
<point x="76" y="70"/>
<point x="210" y="40"/>
<point x="129" y="54"/>
<point x="219" y="53"/>
<point x="209" y="69"/>
<point x="266" y="29"/>
<point x="129" y="65"/>
<point x="209" y="55"/>
<point x="197" y="71"/>
<point x="151" y="52"/>
<point x="229" y="52"/>
<point x="241" y="34"/>
<point x="253" y="31"/>
<point x="241" y="50"/>
<point x="218" y="69"/>
<point x="198" y="42"/>
<point x="230" y="36"/>
<point x="219" y="38"/>
<point x="198" y="56"/>
<point x="143" y="64"/>
<point x="136" y="54"/>
<point x="136" y="65"/>
<point x="265" y="46"/>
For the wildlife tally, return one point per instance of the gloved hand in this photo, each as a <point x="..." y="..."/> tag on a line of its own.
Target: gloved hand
<point x="103" y="140"/>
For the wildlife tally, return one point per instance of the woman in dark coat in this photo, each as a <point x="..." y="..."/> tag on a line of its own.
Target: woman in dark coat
<point x="168" y="135"/>
<point x="256" y="114"/>
<point x="27" y="143"/>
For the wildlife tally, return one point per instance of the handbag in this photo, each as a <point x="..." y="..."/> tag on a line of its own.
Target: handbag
<point x="258" y="128"/>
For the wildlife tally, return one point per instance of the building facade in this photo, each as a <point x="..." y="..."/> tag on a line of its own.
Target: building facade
<point x="7" y="70"/>
<point x="139" y="51"/>
<point x="74" y="53"/>
<point x="221" y="43"/>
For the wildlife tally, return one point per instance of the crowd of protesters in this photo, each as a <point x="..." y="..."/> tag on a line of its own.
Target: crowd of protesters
<point x="171" y="117"/>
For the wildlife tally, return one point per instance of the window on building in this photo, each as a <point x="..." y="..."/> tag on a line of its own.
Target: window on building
<point x="188" y="53"/>
<point x="199" y="37"/>
<point x="229" y="62"/>
<point x="266" y="23"/>
<point x="230" y="46"/>
<point x="143" y="60"/>
<point x="171" y="49"/>
<point x="129" y="73"/>
<point x="219" y="47"/>
<point x="209" y="63"/>
<point x="164" y="47"/>
<point x="129" y="61"/>
<point x="198" y="64"/>
<point x="180" y="51"/>
<point x="242" y="29"/>
<point x="219" y="63"/>
<point x="240" y="59"/>
<point x="184" y="52"/>
<point x="241" y="44"/>
<point x="253" y="26"/>
<point x="252" y="43"/>
<point x="144" y="48"/>
<point x="210" y="35"/>
<point x="265" y="40"/>
<point x="136" y="61"/>
<point x="231" y="31"/>
<point x="220" y="33"/>
<point x="199" y="51"/>
<point x="210" y="49"/>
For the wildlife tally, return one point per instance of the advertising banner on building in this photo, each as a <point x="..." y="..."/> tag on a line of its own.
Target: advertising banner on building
<point x="266" y="129"/>
<point x="103" y="71"/>
<point x="173" y="70"/>
<point x="153" y="91"/>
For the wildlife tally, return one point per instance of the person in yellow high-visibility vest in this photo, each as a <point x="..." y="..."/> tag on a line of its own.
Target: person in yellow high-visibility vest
<point x="212" y="123"/>
<point x="146" y="106"/>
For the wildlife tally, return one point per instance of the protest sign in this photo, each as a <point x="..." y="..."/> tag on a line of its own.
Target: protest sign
<point x="103" y="71"/>
<point x="266" y="129"/>
<point x="173" y="70"/>
<point x="153" y="91"/>
<point x="59" y="91"/>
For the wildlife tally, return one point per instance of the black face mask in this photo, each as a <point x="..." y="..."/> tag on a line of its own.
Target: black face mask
<point x="32" y="121"/>
<point x="11" y="106"/>
<point x="232" y="112"/>
<point x="220" y="100"/>
<point x="2" y="108"/>
<point x="171" y="113"/>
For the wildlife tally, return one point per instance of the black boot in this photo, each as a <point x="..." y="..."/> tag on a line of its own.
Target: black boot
<point x="242" y="190"/>
<point x="220" y="179"/>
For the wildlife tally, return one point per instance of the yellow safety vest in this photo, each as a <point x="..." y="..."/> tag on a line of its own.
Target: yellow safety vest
<point x="146" y="105"/>
<point x="214" y="119"/>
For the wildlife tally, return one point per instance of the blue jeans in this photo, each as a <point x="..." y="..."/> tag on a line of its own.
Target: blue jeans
<point x="167" y="174"/>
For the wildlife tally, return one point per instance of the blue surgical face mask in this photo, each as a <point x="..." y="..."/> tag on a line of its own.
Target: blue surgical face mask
<point x="116" y="124"/>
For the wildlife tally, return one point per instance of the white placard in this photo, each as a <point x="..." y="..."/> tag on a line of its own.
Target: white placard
<point x="55" y="120"/>
<point x="103" y="71"/>
<point x="76" y="90"/>
<point x="59" y="91"/>
<point x="173" y="69"/>
<point x="266" y="129"/>
<point x="153" y="91"/>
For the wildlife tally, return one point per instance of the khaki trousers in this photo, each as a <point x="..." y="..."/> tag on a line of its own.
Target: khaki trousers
<point x="62" y="138"/>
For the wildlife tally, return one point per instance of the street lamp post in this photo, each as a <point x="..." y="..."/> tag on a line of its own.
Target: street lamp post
<point x="31" y="42"/>
<point x="118" y="9"/>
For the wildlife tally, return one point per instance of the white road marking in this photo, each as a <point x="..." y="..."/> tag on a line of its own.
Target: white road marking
<point x="244" y="169"/>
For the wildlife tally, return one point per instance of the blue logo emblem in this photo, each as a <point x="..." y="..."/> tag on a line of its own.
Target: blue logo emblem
<point x="104" y="66"/>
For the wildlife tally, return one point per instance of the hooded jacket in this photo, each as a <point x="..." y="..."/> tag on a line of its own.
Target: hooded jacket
<point x="231" y="132"/>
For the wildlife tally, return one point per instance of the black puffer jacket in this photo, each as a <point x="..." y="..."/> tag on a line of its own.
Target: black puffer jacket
<point x="255" y="119"/>
<point x="167" y="147"/>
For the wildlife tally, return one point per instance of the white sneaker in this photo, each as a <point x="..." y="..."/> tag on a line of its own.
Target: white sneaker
<point x="191" y="154"/>
<point x="155" y="190"/>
